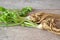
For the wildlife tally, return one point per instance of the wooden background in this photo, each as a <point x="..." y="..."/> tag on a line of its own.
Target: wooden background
<point x="24" y="33"/>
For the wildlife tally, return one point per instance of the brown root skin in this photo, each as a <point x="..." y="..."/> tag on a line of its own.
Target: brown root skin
<point x="48" y="21"/>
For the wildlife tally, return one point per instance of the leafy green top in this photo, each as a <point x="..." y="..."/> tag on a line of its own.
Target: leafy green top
<point x="15" y="17"/>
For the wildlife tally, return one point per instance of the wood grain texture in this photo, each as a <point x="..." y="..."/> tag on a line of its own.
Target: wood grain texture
<point x="24" y="33"/>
